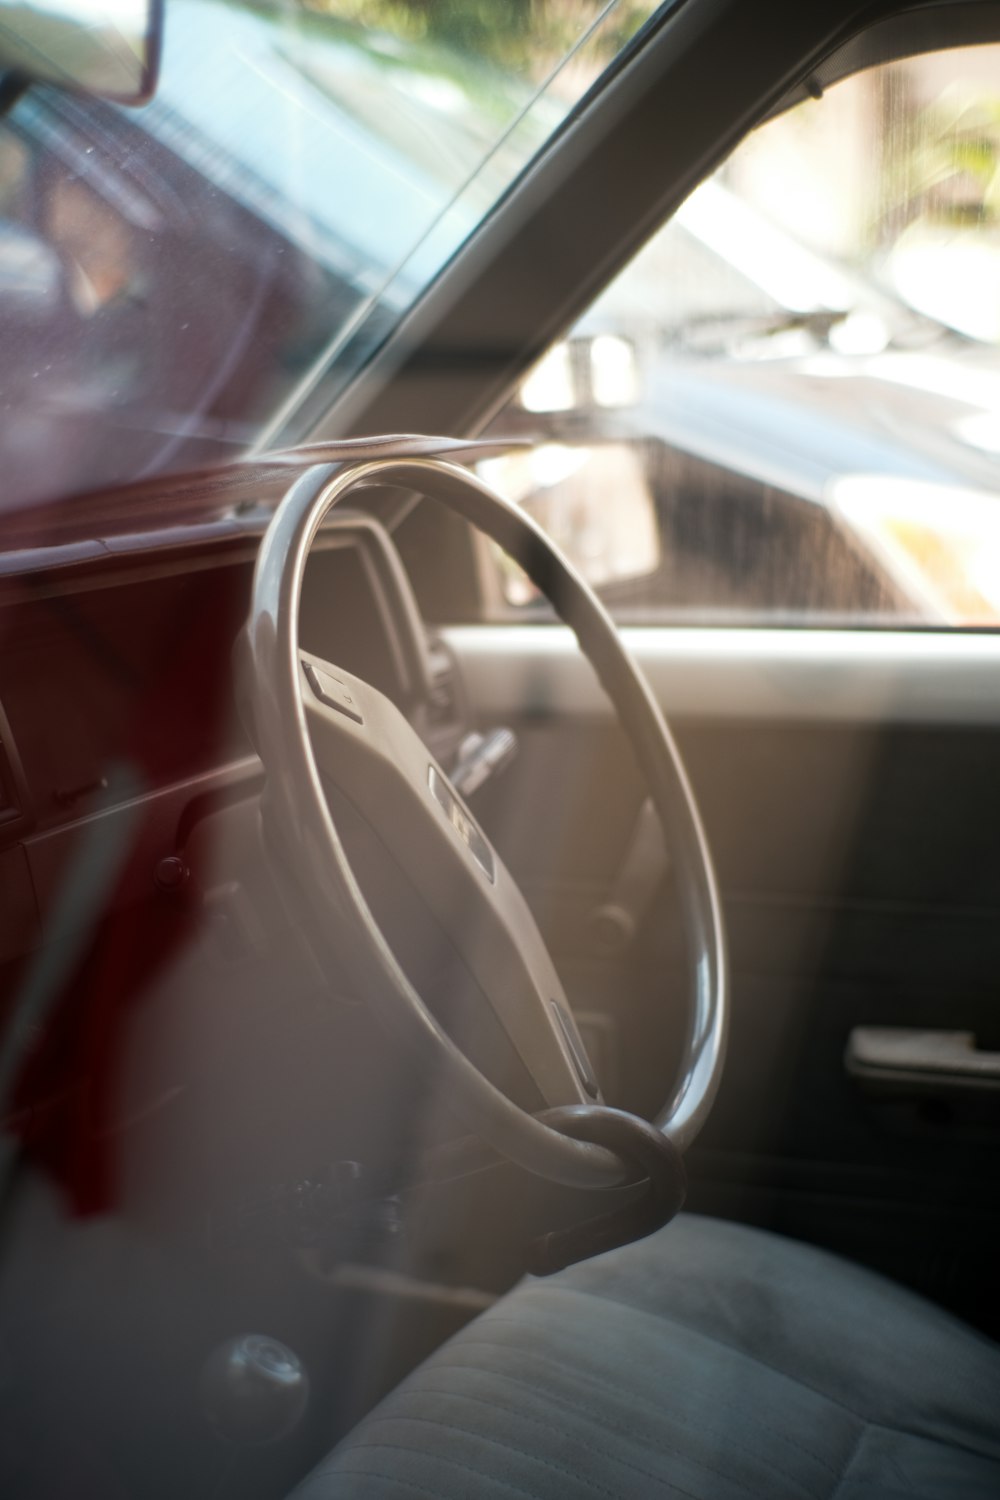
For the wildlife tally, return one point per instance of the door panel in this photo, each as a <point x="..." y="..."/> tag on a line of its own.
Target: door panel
<point x="853" y="810"/>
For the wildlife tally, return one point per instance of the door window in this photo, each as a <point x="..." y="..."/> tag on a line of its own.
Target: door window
<point x="786" y="409"/>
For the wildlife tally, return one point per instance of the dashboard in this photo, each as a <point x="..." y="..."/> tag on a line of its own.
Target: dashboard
<point x="119" y="675"/>
<point x="120" y="741"/>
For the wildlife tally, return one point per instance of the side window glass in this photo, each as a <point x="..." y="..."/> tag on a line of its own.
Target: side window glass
<point x="786" y="409"/>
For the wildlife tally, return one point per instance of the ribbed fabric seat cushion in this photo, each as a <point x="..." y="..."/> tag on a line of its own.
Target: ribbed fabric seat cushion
<point x="709" y="1361"/>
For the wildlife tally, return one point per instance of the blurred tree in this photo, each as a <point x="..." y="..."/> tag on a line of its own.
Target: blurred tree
<point x="942" y="161"/>
<point x="522" y="36"/>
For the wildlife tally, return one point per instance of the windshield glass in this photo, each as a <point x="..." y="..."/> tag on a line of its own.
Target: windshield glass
<point x="174" y="278"/>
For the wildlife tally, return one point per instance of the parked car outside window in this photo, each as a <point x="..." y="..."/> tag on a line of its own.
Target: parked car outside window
<point x="793" y="390"/>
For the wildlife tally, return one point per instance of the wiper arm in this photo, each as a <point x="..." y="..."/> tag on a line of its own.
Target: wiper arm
<point x="718" y="330"/>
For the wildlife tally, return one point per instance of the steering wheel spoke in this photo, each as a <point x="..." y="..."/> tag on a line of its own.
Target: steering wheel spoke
<point x="366" y="748"/>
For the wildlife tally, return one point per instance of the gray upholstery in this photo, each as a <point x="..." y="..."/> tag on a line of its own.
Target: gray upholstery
<point x="708" y="1360"/>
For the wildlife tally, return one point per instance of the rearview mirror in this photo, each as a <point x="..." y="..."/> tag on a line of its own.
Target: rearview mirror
<point x="108" y="48"/>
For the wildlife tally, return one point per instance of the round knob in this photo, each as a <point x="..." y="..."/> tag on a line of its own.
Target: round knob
<point x="171" y="873"/>
<point x="254" y="1389"/>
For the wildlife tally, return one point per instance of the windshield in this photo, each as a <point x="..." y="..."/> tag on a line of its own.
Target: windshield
<point x="174" y="279"/>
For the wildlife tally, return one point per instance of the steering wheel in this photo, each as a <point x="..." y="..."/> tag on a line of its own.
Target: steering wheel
<point x="313" y="721"/>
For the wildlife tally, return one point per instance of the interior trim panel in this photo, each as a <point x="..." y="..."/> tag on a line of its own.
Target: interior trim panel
<point x="830" y="676"/>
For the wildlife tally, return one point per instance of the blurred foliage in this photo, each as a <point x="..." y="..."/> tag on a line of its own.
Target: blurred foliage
<point x="520" y="36"/>
<point x="949" y="171"/>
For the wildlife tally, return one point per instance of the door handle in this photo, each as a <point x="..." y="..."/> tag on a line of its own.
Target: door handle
<point x="899" y="1058"/>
